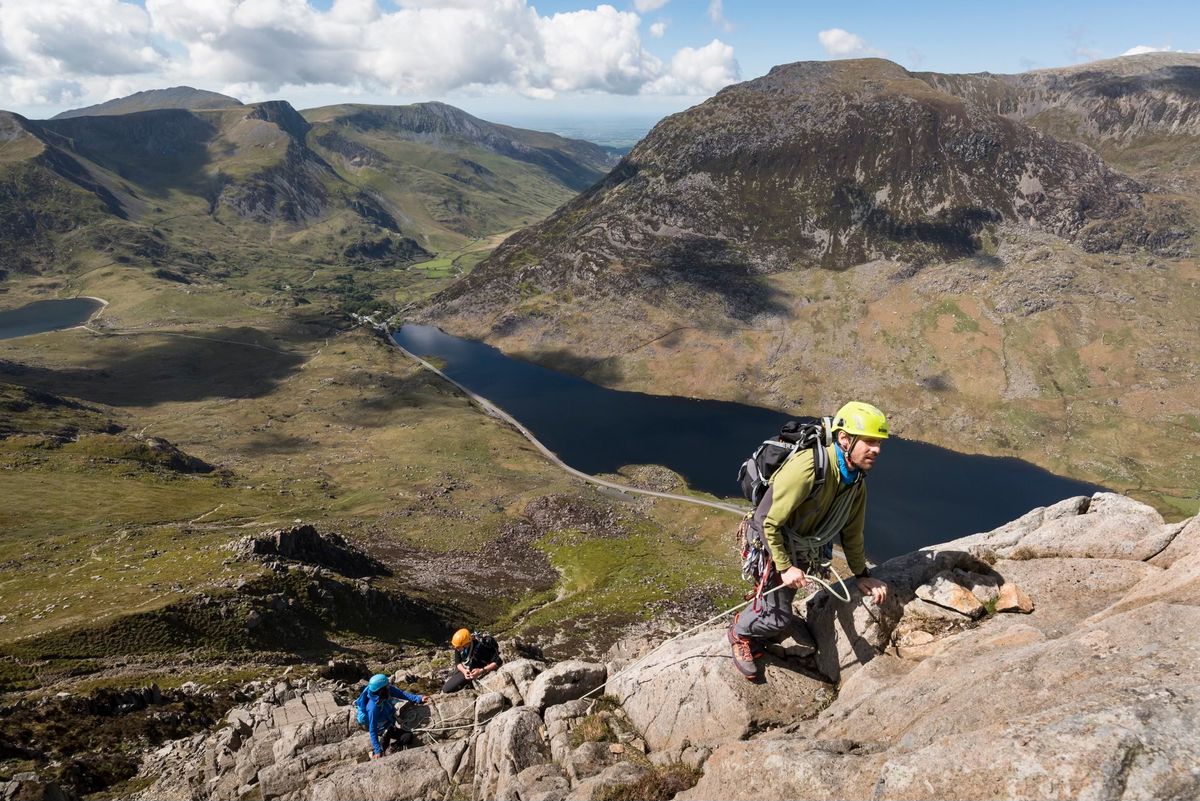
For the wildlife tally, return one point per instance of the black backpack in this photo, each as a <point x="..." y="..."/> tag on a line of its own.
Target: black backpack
<point x="795" y="436"/>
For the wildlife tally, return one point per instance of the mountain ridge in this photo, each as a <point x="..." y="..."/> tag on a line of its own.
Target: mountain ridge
<point x="183" y="97"/>
<point x="747" y="245"/>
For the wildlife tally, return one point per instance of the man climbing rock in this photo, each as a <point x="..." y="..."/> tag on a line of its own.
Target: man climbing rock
<point x="377" y="711"/>
<point x="475" y="656"/>
<point x="797" y="520"/>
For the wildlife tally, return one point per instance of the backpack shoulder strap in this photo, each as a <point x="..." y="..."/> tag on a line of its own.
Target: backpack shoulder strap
<point x="820" y="465"/>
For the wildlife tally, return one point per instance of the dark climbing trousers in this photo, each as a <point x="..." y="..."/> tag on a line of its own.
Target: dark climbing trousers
<point x="396" y="737"/>
<point x="456" y="682"/>
<point x="773" y="617"/>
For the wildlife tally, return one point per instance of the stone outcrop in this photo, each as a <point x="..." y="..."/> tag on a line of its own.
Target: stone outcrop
<point x="305" y="544"/>
<point x="687" y="692"/>
<point x="28" y="786"/>
<point x="1086" y="690"/>
<point x="1105" y="526"/>
<point x="565" y="682"/>
<point x="1090" y="694"/>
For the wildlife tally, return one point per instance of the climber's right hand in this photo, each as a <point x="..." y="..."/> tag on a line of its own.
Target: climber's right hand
<point x="794" y="577"/>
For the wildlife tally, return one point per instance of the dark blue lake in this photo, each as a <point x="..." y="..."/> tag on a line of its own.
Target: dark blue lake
<point x="47" y="315"/>
<point x="919" y="494"/>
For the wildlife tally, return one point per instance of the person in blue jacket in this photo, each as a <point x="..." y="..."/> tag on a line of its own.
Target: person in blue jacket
<point x="377" y="711"/>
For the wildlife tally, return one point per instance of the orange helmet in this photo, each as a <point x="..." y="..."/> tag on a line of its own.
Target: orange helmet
<point x="461" y="638"/>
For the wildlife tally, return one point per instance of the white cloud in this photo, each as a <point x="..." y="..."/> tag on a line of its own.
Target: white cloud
<point x="699" y="71"/>
<point x="716" y="13"/>
<point x="54" y="39"/>
<point x="646" y="6"/>
<point x="68" y="48"/>
<point x="840" y="43"/>
<point x="1142" y="49"/>
<point x="594" y="50"/>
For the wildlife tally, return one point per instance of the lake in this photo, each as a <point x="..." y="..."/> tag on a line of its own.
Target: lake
<point x="919" y="494"/>
<point x="47" y="315"/>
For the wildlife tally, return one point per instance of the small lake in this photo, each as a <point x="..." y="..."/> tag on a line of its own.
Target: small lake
<point x="919" y="494"/>
<point x="47" y="315"/>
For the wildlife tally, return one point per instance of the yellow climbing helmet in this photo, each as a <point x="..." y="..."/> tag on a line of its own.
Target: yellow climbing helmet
<point x="461" y="638"/>
<point x="860" y="419"/>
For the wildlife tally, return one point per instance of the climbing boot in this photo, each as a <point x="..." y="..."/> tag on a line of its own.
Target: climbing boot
<point x="743" y="654"/>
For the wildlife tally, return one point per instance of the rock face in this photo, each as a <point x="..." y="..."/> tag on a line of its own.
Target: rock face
<point x="688" y="692"/>
<point x="1086" y="690"/>
<point x="1089" y="695"/>
<point x="306" y="544"/>
<point x="825" y="164"/>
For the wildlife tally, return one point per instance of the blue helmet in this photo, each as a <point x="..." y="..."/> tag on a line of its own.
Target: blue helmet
<point x="377" y="682"/>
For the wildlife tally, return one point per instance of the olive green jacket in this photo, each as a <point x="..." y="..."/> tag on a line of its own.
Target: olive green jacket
<point x="792" y="508"/>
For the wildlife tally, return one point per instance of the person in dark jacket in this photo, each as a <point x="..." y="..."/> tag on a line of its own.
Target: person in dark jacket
<point x="475" y="656"/>
<point x="377" y="711"/>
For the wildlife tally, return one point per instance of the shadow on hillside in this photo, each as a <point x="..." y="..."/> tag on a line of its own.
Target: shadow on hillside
<point x="159" y="149"/>
<point x="707" y="267"/>
<point x="221" y="363"/>
<point x="604" y="372"/>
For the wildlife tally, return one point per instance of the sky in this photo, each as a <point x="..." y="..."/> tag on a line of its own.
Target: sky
<point x="510" y="60"/>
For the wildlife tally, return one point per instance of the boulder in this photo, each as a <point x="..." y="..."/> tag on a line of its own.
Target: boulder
<point x="558" y="726"/>
<point x="1105" y="526"/>
<point x="985" y="588"/>
<point x="542" y="783"/>
<point x="331" y="728"/>
<point x="852" y="634"/>
<point x="513" y="679"/>
<point x="1185" y="543"/>
<point x="588" y="759"/>
<point x="511" y="743"/>
<point x="689" y="690"/>
<point x="1011" y="533"/>
<point x="297" y="774"/>
<point x="1178" y="584"/>
<point x="489" y="705"/>
<point x="564" y="682"/>
<point x="441" y="712"/>
<point x="593" y="788"/>
<point x="412" y="775"/>
<point x="946" y="592"/>
<point x="776" y="768"/>
<point x="1012" y="599"/>
<point x="29" y="786"/>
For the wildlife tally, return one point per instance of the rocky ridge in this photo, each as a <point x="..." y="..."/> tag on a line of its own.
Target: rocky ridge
<point x="1086" y="692"/>
<point x="817" y="164"/>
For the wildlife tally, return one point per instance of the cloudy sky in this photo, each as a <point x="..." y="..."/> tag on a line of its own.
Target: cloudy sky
<point x="506" y="58"/>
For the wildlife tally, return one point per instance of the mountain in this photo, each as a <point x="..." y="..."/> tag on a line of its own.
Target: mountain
<point x="212" y="185"/>
<point x="1142" y="113"/>
<point x="450" y="172"/>
<point x="176" y="97"/>
<point x="837" y="229"/>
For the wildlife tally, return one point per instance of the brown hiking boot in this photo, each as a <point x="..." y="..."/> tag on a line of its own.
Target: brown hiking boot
<point x="743" y="654"/>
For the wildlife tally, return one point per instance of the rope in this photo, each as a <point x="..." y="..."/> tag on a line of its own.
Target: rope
<point x="817" y="579"/>
<point x="826" y="585"/>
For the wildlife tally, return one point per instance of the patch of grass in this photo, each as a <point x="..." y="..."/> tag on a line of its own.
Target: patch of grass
<point x="657" y="784"/>
<point x="592" y="728"/>
<point x="626" y="578"/>
<point x="1185" y="507"/>
<point x="963" y="322"/>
